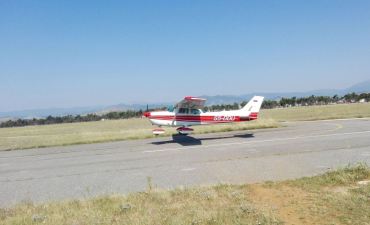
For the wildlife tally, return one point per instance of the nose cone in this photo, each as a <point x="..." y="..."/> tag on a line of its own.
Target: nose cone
<point x="146" y="114"/>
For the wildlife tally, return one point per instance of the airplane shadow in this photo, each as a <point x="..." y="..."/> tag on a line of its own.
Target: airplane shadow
<point x="189" y="140"/>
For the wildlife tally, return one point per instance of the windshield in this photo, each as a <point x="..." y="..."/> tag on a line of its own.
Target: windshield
<point x="170" y="108"/>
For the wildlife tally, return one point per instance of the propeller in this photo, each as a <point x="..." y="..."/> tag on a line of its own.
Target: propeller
<point x="146" y="113"/>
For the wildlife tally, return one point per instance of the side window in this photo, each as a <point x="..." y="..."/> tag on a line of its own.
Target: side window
<point x="184" y="110"/>
<point x="195" y="111"/>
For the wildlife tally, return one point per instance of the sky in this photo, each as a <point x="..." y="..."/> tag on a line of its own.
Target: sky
<point x="85" y="53"/>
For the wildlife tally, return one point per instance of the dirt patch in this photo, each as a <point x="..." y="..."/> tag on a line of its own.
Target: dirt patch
<point x="339" y="190"/>
<point x="344" y="190"/>
<point x="363" y="182"/>
<point x="292" y="205"/>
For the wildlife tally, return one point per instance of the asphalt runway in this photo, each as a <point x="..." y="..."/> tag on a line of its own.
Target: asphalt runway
<point x="82" y="171"/>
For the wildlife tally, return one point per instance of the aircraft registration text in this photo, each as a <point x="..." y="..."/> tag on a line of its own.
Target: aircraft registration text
<point x="224" y="118"/>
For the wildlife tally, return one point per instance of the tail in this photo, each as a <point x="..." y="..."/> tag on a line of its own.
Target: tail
<point x="253" y="107"/>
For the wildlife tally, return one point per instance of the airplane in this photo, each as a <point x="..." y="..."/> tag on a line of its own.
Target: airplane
<point x="188" y="113"/>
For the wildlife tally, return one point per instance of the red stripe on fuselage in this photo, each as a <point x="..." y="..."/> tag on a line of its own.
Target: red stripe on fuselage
<point x="214" y="119"/>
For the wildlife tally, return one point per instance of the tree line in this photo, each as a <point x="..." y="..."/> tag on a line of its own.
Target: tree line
<point x="71" y="119"/>
<point x="294" y="101"/>
<point x="267" y="104"/>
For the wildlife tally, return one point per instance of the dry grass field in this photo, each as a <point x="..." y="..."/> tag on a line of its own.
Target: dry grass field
<point x="336" y="197"/>
<point x="114" y="130"/>
<point x="357" y="110"/>
<point x="100" y="131"/>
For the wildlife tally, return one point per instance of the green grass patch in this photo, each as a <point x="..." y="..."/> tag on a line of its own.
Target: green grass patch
<point x="312" y="200"/>
<point x="346" y="176"/>
<point x="214" y="205"/>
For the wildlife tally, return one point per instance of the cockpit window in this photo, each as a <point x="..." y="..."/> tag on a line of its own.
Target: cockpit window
<point x="183" y="110"/>
<point x="195" y="111"/>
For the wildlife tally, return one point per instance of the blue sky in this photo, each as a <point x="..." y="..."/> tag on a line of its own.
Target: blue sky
<point x="83" y="53"/>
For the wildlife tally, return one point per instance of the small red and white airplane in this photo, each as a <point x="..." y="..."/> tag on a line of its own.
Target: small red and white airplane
<point x="189" y="113"/>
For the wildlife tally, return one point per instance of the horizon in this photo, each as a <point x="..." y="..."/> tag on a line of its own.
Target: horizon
<point x="336" y="91"/>
<point x="69" y="54"/>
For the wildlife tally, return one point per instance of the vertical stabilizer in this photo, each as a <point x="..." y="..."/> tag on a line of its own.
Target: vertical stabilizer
<point x="254" y="105"/>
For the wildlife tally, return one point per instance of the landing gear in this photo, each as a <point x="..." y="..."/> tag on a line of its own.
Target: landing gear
<point x="158" y="131"/>
<point x="184" y="130"/>
<point x="180" y="130"/>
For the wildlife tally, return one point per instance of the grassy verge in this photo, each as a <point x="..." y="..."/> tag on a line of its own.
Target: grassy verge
<point x="358" y="110"/>
<point x="332" y="198"/>
<point x="115" y="130"/>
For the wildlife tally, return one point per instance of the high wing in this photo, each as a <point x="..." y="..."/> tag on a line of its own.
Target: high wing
<point x="191" y="102"/>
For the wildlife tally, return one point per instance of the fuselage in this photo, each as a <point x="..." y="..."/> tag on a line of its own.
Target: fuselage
<point x="197" y="117"/>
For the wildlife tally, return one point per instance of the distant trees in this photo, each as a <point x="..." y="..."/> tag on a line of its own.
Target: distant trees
<point x="267" y="104"/>
<point x="270" y="104"/>
<point x="353" y="97"/>
<point x="71" y="119"/>
<point x="317" y="100"/>
<point x="305" y="101"/>
<point x="294" y="101"/>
